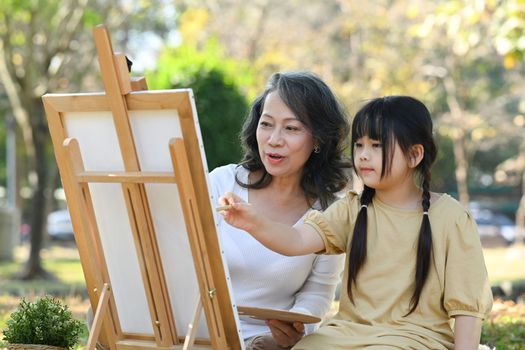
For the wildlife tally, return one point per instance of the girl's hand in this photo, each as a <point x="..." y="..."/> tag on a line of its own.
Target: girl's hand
<point x="240" y="214"/>
<point x="286" y="334"/>
<point x="280" y="238"/>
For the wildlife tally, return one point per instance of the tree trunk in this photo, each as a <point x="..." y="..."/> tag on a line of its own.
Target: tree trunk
<point x="461" y="171"/>
<point x="253" y="42"/>
<point x="520" y="214"/>
<point x="460" y="149"/>
<point x="33" y="267"/>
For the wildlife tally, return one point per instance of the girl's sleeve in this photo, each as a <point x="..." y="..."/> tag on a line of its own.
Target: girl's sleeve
<point x="317" y="294"/>
<point x="336" y="223"/>
<point x="467" y="287"/>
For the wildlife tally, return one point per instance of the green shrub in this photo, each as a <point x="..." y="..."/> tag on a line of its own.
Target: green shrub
<point x="504" y="335"/>
<point x="46" y="321"/>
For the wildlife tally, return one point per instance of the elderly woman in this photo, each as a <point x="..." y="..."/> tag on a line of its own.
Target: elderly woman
<point x="293" y="141"/>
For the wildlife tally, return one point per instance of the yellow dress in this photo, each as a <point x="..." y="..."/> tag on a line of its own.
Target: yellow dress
<point x="457" y="283"/>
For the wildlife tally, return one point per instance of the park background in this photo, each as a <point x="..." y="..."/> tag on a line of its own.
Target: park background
<point x="463" y="59"/>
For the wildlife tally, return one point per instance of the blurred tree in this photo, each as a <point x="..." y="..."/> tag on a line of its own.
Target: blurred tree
<point x="271" y="35"/>
<point x="433" y="50"/>
<point x="3" y="136"/>
<point x="508" y="33"/>
<point x="216" y="82"/>
<point x="472" y="86"/>
<point x="442" y="179"/>
<point x="3" y="174"/>
<point x="358" y="48"/>
<point x="46" y="45"/>
<point x="30" y="64"/>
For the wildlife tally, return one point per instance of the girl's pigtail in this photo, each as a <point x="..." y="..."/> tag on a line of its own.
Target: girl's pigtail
<point x="424" y="247"/>
<point x="357" y="255"/>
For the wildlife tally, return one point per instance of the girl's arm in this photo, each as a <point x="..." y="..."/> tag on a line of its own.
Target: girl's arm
<point x="467" y="331"/>
<point x="281" y="238"/>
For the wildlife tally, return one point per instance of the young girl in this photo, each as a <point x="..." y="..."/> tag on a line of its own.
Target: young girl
<point x="414" y="257"/>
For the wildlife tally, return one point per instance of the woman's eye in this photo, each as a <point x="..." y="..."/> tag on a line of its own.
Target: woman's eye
<point x="292" y="128"/>
<point x="265" y="124"/>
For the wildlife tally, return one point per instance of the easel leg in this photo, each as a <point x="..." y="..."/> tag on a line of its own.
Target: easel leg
<point x="99" y="316"/>
<point x="192" y="327"/>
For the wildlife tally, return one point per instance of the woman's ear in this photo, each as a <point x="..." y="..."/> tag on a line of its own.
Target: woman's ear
<point x="417" y="152"/>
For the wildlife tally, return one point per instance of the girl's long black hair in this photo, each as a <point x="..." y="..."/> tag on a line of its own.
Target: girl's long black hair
<point x="313" y="103"/>
<point x="407" y="121"/>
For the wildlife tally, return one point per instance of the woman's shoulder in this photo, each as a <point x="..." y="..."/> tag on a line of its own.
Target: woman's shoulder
<point x="223" y="177"/>
<point x="225" y="171"/>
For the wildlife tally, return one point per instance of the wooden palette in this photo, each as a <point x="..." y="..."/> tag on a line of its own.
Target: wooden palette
<point x="275" y="314"/>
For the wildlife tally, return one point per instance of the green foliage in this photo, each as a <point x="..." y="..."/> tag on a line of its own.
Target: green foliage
<point x="216" y="82"/>
<point x="508" y="31"/>
<point x="46" y="321"/>
<point x="443" y="179"/>
<point x="92" y="18"/>
<point x="181" y="66"/>
<point x="221" y="109"/>
<point x="506" y="334"/>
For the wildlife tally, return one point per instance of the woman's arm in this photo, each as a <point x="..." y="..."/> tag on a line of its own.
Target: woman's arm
<point x="467" y="331"/>
<point x="281" y="238"/>
<point x="317" y="293"/>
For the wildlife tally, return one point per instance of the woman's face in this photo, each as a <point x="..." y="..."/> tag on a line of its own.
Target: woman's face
<point x="284" y="142"/>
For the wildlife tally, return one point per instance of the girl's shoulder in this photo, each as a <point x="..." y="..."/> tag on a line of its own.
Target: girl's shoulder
<point x="352" y="196"/>
<point x="443" y="205"/>
<point x="351" y="199"/>
<point x="348" y="199"/>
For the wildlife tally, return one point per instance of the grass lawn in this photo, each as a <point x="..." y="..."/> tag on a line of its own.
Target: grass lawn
<point x="62" y="261"/>
<point x="505" y="329"/>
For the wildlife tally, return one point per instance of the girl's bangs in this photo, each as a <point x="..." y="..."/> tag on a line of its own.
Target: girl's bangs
<point x="371" y="123"/>
<point x="368" y="123"/>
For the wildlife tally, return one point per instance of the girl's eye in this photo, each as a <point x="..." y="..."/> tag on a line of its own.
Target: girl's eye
<point x="376" y="145"/>
<point x="358" y="145"/>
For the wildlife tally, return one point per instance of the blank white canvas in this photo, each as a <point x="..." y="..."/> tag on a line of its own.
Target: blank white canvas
<point x="100" y="151"/>
<point x="152" y="131"/>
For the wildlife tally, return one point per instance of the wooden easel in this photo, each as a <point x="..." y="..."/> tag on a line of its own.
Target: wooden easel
<point x="122" y="98"/>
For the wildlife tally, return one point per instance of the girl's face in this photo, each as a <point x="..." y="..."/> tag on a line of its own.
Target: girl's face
<point x="284" y="142"/>
<point x="368" y="160"/>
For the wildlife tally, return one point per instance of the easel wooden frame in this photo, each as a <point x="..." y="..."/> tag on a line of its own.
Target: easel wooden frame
<point x="122" y="96"/>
